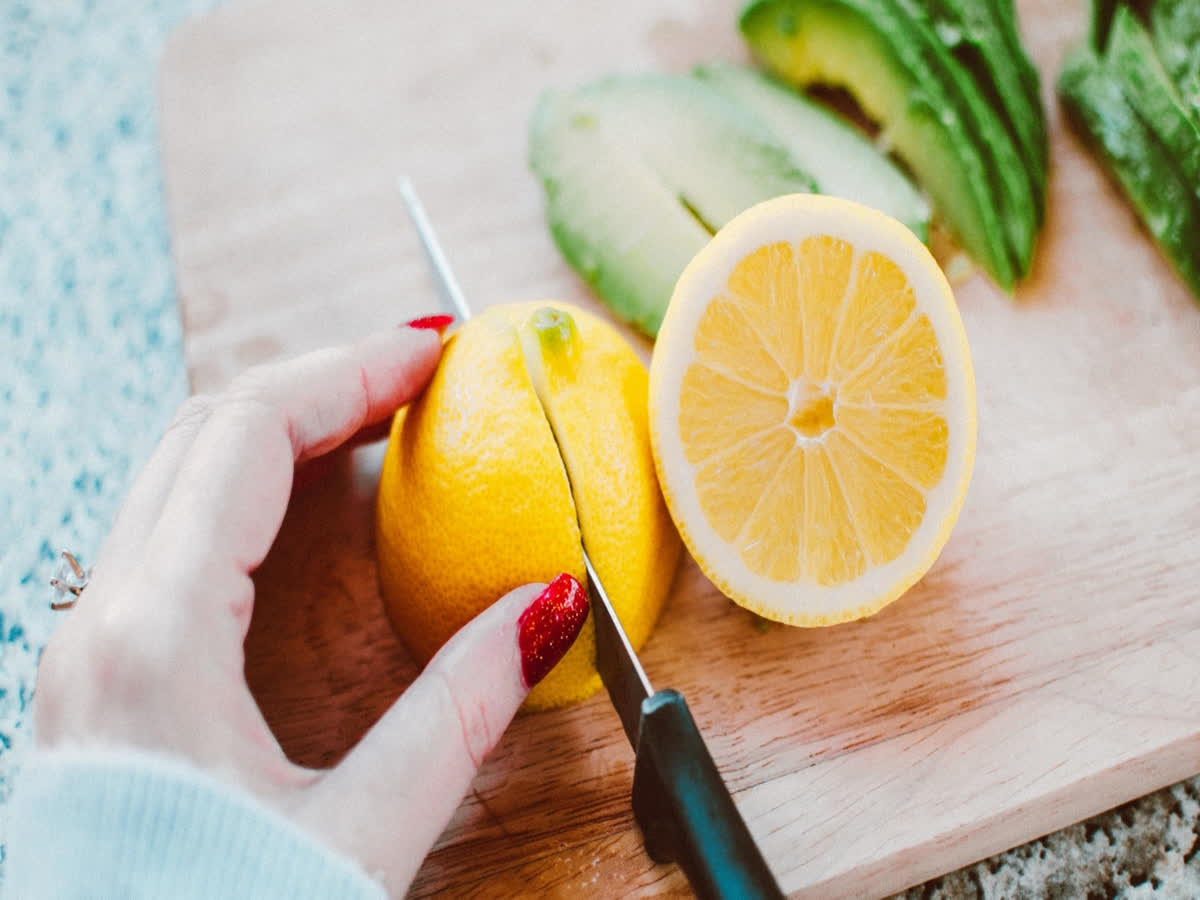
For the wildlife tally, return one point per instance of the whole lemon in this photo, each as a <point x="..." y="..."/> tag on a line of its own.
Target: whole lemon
<point x="533" y="428"/>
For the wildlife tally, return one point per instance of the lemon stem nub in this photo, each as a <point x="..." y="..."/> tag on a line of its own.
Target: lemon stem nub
<point x="556" y="332"/>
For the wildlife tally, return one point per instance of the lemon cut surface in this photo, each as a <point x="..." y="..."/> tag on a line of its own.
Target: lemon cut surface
<point x="812" y="409"/>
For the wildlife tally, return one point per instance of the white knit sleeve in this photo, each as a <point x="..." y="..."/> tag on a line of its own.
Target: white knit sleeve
<point x="136" y="825"/>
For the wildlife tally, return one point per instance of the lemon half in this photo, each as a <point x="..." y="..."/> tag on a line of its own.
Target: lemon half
<point x="812" y="409"/>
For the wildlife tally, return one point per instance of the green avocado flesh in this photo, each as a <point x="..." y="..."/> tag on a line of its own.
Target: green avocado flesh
<point x="898" y="78"/>
<point x="639" y="171"/>
<point x="840" y="157"/>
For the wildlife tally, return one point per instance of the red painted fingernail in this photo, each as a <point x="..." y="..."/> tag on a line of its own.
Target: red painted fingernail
<point x="438" y="323"/>
<point x="548" y="627"/>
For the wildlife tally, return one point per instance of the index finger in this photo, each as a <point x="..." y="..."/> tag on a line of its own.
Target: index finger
<point x="232" y="488"/>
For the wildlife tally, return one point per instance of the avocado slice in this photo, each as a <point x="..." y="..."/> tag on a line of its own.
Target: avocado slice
<point x="1092" y="95"/>
<point x="839" y="156"/>
<point x="1175" y="25"/>
<point x="1030" y="79"/>
<point x="1004" y="11"/>
<point x="863" y="45"/>
<point x="639" y="171"/>
<point x="1011" y="182"/>
<point x="1151" y="93"/>
<point x="1100" y="22"/>
<point x="983" y="38"/>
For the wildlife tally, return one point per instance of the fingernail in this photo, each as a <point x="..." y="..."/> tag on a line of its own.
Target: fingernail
<point x="438" y="323"/>
<point x="549" y="625"/>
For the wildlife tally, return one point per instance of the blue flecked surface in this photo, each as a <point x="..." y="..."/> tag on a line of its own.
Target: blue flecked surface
<point x="91" y="368"/>
<point x="91" y="362"/>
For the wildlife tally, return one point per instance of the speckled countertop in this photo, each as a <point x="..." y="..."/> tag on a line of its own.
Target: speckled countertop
<point x="91" y="367"/>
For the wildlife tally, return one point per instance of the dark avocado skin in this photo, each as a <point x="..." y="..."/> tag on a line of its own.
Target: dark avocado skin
<point x="881" y="26"/>
<point x="1005" y="12"/>
<point x="1175" y="26"/>
<point x="1091" y="93"/>
<point x="1100" y="22"/>
<point x="1130" y="55"/>
<point x="1010" y="179"/>
<point x="982" y="36"/>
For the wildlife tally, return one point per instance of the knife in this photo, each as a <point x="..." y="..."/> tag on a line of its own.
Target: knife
<point x="682" y="806"/>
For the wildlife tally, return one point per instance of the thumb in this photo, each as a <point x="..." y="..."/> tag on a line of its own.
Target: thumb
<point x="393" y="794"/>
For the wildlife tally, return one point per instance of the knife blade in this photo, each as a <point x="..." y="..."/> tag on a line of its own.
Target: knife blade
<point x="618" y="664"/>
<point x="681" y="804"/>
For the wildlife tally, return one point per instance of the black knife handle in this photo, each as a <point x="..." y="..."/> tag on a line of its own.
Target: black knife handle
<point x="685" y="811"/>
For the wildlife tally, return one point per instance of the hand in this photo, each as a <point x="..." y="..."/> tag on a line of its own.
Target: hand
<point x="152" y="654"/>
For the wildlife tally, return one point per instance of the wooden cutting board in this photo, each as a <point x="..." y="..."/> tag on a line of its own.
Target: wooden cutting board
<point x="1046" y="669"/>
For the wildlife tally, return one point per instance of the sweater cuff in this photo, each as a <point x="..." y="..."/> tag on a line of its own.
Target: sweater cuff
<point x="124" y="823"/>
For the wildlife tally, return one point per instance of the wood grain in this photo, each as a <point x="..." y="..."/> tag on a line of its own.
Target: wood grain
<point x="1046" y="668"/>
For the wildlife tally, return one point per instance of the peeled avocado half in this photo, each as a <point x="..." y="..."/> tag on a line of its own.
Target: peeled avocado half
<point x="840" y="157"/>
<point x="639" y="171"/>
